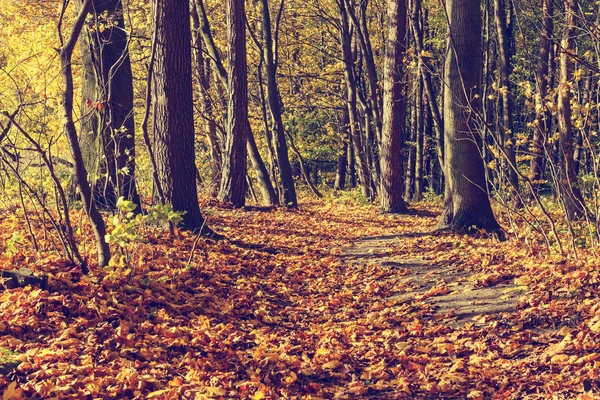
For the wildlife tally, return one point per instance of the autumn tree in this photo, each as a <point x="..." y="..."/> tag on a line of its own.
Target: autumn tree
<point x="81" y="175"/>
<point x="467" y="204"/>
<point x="233" y="183"/>
<point x="107" y="124"/>
<point x="173" y="111"/>
<point x="568" y="186"/>
<point x="394" y="111"/>
<point x="543" y="118"/>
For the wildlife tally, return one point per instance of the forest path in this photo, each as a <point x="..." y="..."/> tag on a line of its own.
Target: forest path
<point x="448" y="288"/>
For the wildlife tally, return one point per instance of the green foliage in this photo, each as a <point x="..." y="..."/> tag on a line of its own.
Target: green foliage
<point x="127" y="225"/>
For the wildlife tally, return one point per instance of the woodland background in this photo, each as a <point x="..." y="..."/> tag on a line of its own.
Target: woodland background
<point x="181" y="182"/>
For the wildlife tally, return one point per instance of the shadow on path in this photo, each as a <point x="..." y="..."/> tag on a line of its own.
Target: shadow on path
<point x="447" y="288"/>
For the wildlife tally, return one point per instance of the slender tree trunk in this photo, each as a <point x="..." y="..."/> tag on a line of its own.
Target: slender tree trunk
<point x="543" y="115"/>
<point x="394" y="110"/>
<point x="504" y="32"/>
<point x="262" y="175"/>
<point x="233" y="183"/>
<point x="467" y="204"/>
<point x="419" y="150"/>
<point x="417" y="30"/>
<point x="362" y="165"/>
<point x="567" y="179"/>
<point x="342" y="167"/>
<point x="173" y="111"/>
<point x="280" y="144"/>
<point x="66" y="53"/>
<point x="203" y="72"/>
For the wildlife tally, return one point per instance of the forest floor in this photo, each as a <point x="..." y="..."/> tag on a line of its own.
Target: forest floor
<point x="333" y="300"/>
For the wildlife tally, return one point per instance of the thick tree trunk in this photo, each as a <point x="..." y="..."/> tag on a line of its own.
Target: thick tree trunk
<point x="174" y="114"/>
<point x="66" y="53"/>
<point x="233" y="183"/>
<point x="543" y="115"/>
<point x="112" y="103"/>
<point x="280" y="144"/>
<point x="394" y="111"/>
<point x="467" y="204"/>
<point x="568" y="186"/>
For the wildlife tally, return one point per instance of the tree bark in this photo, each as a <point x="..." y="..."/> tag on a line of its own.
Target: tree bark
<point x="543" y="117"/>
<point x="467" y="204"/>
<point x="66" y="53"/>
<point x="262" y="175"/>
<point x="233" y="184"/>
<point x="394" y="111"/>
<point x="342" y="167"/>
<point x="568" y="187"/>
<point x="203" y="72"/>
<point x="111" y="102"/>
<point x="174" y="114"/>
<point x="504" y="33"/>
<point x="289" y="197"/>
<point x="362" y="165"/>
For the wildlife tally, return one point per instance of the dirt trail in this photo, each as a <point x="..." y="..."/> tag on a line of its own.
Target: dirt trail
<point x="447" y="288"/>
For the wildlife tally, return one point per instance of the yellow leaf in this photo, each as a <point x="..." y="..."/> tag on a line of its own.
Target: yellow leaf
<point x="475" y="395"/>
<point x="523" y="281"/>
<point x="215" y="391"/>
<point x="12" y="392"/>
<point x="560" y="359"/>
<point x="332" y="365"/>
<point x="258" y="395"/>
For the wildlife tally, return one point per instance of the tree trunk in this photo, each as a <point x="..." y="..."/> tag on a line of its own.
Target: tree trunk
<point x="112" y="103"/>
<point x="504" y="32"/>
<point x="283" y="160"/>
<point x="342" y="166"/>
<point x="262" y="175"/>
<point x="203" y="72"/>
<point x="419" y="150"/>
<point x="568" y="186"/>
<point x="174" y="114"/>
<point x="66" y="53"/>
<point x="467" y="204"/>
<point x="543" y="115"/>
<point x="362" y="165"/>
<point x="233" y="183"/>
<point x="394" y="111"/>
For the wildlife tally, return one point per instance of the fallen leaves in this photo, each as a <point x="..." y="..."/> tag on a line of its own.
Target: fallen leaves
<point x="274" y="312"/>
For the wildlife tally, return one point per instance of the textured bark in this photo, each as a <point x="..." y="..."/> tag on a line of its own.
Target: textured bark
<point x="66" y="53"/>
<point x="235" y="167"/>
<point x="568" y="186"/>
<point x="112" y="103"/>
<point x="288" y="190"/>
<point x="361" y="163"/>
<point x="267" y="191"/>
<point x="467" y="204"/>
<point x="394" y="110"/>
<point x="342" y="167"/>
<point x="417" y="23"/>
<point x="173" y="111"/>
<point x="505" y="46"/>
<point x="203" y="72"/>
<point x="419" y="145"/>
<point x="543" y="114"/>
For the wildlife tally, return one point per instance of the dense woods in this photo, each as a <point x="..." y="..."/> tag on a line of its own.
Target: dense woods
<point x="186" y="187"/>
